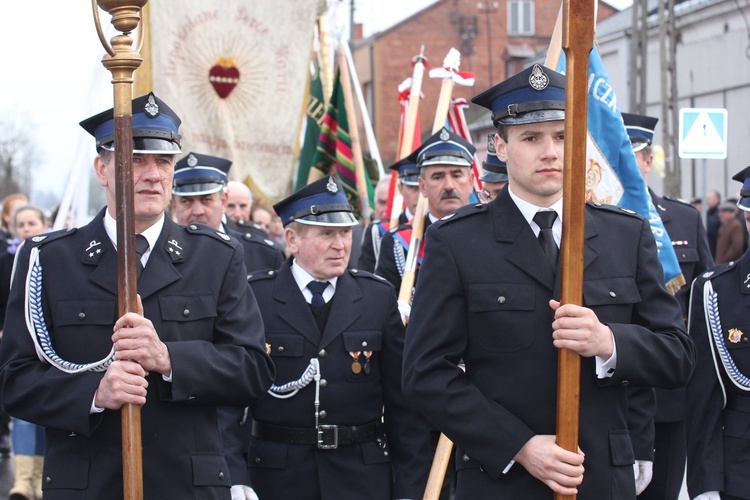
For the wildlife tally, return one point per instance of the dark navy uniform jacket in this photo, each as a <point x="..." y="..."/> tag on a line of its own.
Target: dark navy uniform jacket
<point x="394" y="247"/>
<point x="718" y="440"/>
<point x="260" y="252"/>
<point x="371" y="239"/>
<point x="363" y="316"/>
<point x="482" y="297"/>
<point x="685" y="228"/>
<point x="195" y="292"/>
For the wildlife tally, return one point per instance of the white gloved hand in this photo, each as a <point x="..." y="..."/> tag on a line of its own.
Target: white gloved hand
<point x="644" y="471"/>
<point x="404" y="309"/>
<point x="242" y="492"/>
<point x="709" y="495"/>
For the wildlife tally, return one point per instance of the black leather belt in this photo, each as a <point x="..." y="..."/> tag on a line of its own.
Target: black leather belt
<point x="325" y="437"/>
<point x="739" y="403"/>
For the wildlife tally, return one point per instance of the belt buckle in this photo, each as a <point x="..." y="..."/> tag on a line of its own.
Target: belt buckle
<point x="328" y="437"/>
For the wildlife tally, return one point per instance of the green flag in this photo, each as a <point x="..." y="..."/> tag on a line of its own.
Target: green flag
<point x="315" y="112"/>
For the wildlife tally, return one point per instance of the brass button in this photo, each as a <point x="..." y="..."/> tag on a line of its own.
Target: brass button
<point x="501" y="299"/>
<point x="186" y="312"/>
<point x="81" y="315"/>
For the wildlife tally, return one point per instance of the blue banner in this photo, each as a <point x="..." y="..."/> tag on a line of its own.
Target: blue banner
<point x="612" y="174"/>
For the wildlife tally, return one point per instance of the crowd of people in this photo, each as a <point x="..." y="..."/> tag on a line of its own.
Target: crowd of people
<point x="272" y="358"/>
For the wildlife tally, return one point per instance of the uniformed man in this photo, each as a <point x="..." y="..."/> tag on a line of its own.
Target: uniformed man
<point x="77" y="360"/>
<point x="717" y="394"/>
<point x="488" y="295"/>
<point x="408" y="178"/>
<point x="685" y="228"/>
<point x="336" y="424"/>
<point x="199" y="196"/>
<point x="444" y="161"/>
<point x="494" y="174"/>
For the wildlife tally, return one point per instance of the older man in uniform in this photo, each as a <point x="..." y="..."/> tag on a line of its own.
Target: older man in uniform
<point x="488" y="296"/>
<point x="199" y="196"/>
<point x="408" y="175"/>
<point x="77" y="360"/>
<point x="494" y="174"/>
<point x="717" y="394"/>
<point x="336" y="425"/>
<point x="688" y="235"/>
<point x="444" y="161"/>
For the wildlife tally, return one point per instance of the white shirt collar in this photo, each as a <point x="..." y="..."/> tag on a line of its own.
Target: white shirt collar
<point x="151" y="234"/>
<point x="528" y="210"/>
<point x="302" y="278"/>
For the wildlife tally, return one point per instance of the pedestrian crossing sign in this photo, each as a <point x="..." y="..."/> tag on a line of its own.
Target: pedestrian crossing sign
<point x="703" y="133"/>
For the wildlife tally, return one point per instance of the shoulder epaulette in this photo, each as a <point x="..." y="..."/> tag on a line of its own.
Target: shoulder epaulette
<point x="359" y="273"/>
<point x="399" y="228"/>
<point x="614" y="209"/>
<point x="679" y="200"/>
<point x="461" y="213"/>
<point x="43" y="239"/>
<point x="264" y="274"/>
<point x="204" y="230"/>
<point x="257" y="238"/>
<point x="718" y="270"/>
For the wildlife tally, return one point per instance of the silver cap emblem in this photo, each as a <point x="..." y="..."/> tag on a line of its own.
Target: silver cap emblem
<point x="151" y="108"/>
<point x="444" y="135"/>
<point x="331" y="186"/>
<point x="538" y="80"/>
<point x="192" y="160"/>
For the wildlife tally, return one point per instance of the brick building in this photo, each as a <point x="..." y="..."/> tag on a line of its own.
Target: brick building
<point x="493" y="36"/>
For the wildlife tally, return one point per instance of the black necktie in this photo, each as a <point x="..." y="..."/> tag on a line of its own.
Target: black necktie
<point x="141" y="246"/>
<point x="317" y="287"/>
<point x="545" y="220"/>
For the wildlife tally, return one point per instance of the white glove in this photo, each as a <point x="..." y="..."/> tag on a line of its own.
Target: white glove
<point x="404" y="309"/>
<point x="242" y="492"/>
<point x="644" y="471"/>
<point x="709" y="495"/>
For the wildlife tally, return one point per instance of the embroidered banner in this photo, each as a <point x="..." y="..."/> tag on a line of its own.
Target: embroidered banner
<point x="235" y="72"/>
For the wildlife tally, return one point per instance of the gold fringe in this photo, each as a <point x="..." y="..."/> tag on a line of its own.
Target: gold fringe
<point x="674" y="285"/>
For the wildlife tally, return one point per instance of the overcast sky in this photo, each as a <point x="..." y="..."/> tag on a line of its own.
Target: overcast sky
<point x="53" y="78"/>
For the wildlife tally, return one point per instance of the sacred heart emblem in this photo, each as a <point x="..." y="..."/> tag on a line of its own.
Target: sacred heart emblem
<point x="224" y="77"/>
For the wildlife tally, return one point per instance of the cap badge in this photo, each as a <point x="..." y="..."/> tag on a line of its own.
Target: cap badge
<point x="192" y="160"/>
<point x="444" y="135"/>
<point x="331" y="186"/>
<point x="151" y="108"/>
<point x="735" y="335"/>
<point x="538" y="79"/>
<point x="491" y="144"/>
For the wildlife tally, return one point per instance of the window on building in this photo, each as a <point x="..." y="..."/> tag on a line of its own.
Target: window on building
<point x="521" y="18"/>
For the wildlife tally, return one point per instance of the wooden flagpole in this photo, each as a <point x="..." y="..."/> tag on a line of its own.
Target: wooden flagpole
<point x="122" y="61"/>
<point x="445" y="445"/>
<point x="417" y="231"/>
<point x="577" y="41"/>
<point x="407" y="137"/>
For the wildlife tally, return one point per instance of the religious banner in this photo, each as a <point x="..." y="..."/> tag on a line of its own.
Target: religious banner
<point x="235" y="72"/>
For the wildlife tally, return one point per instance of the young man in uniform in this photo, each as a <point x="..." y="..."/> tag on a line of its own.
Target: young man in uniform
<point x="488" y="296"/>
